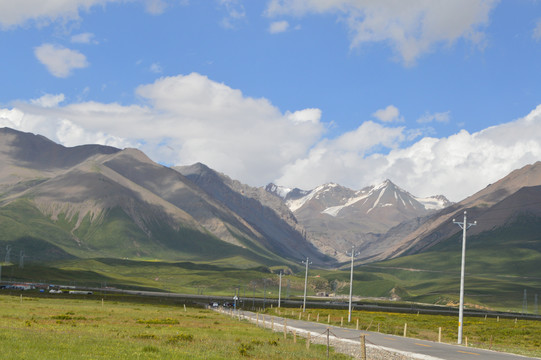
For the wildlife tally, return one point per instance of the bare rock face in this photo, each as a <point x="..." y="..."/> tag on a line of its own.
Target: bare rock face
<point x="337" y="218"/>
<point x="96" y="200"/>
<point x="110" y="202"/>
<point x="492" y="207"/>
<point x="263" y="211"/>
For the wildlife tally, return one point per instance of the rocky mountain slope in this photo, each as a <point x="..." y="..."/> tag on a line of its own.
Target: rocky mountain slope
<point x="336" y="217"/>
<point x="494" y="207"/>
<point x="260" y="209"/>
<point x="100" y="201"/>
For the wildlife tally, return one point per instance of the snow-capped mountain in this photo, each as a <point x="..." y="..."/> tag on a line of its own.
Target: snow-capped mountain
<point x="286" y="193"/>
<point x="336" y="217"/>
<point x="337" y="198"/>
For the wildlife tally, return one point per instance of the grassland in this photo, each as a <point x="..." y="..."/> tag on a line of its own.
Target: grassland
<point x="41" y="328"/>
<point x="500" y="265"/>
<point x="398" y="277"/>
<point x="521" y="337"/>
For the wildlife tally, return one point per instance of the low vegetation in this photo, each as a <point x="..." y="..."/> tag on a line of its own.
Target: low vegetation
<point x="44" y="328"/>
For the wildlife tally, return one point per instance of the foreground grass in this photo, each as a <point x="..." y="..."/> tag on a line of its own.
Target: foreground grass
<point x="40" y="328"/>
<point x="521" y="337"/>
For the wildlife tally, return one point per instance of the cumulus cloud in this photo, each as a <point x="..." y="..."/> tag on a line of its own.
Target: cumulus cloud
<point x="389" y="114"/>
<point x="182" y="120"/>
<point x="278" y="27"/>
<point x="412" y="27"/>
<point x="189" y="118"/>
<point x="456" y="166"/>
<point x="60" y="61"/>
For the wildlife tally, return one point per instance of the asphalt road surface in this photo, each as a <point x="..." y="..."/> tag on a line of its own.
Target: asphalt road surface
<point x="416" y="349"/>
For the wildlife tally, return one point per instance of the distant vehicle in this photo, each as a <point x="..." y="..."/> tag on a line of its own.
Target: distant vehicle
<point x="54" y="291"/>
<point x="215" y="304"/>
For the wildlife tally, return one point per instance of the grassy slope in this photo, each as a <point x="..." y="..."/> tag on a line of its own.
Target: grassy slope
<point x="494" y="276"/>
<point x="116" y="236"/>
<point x="499" y="266"/>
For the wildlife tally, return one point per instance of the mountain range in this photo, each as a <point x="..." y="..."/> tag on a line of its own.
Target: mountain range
<point x="97" y="201"/>
<point x="337" y="218"/>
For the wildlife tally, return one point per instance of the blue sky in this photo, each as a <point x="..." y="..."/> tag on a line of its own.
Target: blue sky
<point x="440" y="97"/>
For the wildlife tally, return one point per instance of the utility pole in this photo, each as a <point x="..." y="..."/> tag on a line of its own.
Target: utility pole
<point x="8" y="252"/>
<point x="307" y="262"/>
<point x="525" y="302"/>
<point x="353" y="254"/>
<point x="464" y="226"/>
<point x="264" y="293"/>
<point x="280" y="289"/>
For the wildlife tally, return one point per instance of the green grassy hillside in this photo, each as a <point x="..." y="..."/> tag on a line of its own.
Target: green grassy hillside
<point x="500" y="265"/>
<point x="114" y="235"/>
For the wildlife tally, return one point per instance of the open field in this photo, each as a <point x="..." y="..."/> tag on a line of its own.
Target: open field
<point x="519" y="337"/>
<point x="393" y="278"/>
<point x="41" y="328"/>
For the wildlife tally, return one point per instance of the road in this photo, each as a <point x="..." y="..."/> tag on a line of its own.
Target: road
<point x="414" y="348"/>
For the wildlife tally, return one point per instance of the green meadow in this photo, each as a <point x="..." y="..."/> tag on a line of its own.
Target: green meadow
<point x="403" y="277"/>
<point x="44" y="328"/>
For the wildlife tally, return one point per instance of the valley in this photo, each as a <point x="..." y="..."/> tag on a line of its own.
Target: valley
<point x="97" y="215"/>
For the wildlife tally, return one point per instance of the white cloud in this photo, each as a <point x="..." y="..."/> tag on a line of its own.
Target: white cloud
<point x="19" y="12"/>
<point x="235" y="12"/>
<point x="48" y="100"/>
<point x="309" y="115"/>
<point x="156" y="68"/>
<point x="389" y="114"/>
<point x="278" y="27"/>
<point x="60" y="61"/>
<point x="537" y="31"/>
<point x="412" y="27"/>
<point x="83" y="38"/>
<point x="189" y="118"/>
<point x="442" y="117"/>
<point x="15" y="13"/>
<point x="155" y="7"/>
<point x="456" y="166"/>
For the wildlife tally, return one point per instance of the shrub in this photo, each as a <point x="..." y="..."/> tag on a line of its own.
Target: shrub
<point x="180" y="338"/>
<point x="166" y="321"/>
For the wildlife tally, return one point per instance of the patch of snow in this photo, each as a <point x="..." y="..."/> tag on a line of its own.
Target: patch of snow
<point x="431" y="203"/>
<point x="333" y="210"/>
<point x="282" y="191"/>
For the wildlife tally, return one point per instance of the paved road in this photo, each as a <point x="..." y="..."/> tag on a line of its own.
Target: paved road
<point x="419" y="349"/>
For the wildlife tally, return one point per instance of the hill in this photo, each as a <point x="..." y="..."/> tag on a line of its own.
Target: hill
<point x="95" y="201"/>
